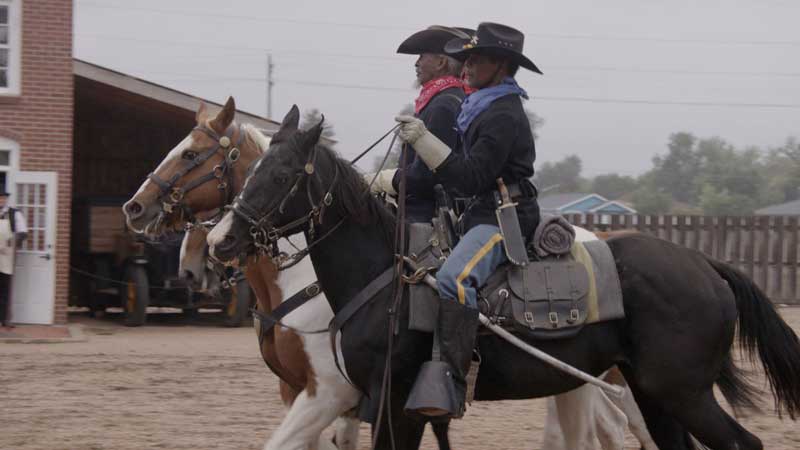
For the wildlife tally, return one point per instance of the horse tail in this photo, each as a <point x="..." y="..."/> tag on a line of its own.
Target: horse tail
<point x="440" y="430"/>
<point x="762" y="331"/>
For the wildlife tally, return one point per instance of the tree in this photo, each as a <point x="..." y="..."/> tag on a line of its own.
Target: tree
<point x="613" y="186"/>
<point x="781" y="172"/>
<point x="675" y="173"/>
<point x="721" y="202"/>
<point x="561" y="176"/>
<point x="647" y="200"/>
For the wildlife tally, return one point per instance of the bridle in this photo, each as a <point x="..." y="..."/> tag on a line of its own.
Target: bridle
<point x="265" y="234"/>
<point x="213" y="264"/>
<point x="171" y="196"/>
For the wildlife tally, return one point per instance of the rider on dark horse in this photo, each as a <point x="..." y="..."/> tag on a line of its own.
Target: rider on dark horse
<point x="441" y="92"/>
<point x="494" y="141"/>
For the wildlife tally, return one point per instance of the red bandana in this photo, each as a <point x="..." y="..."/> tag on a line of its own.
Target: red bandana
<point x="432" y="88"/>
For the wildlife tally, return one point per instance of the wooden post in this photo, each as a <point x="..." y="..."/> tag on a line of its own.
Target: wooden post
<point x="736" y="242"/>
<point x="681" y="226"/>
<point x="629" y="222"/>
<point x="590" y="222"/>
<point x="763" y="252"/>
<point x="615" y="225"/>
<point x="668" y="228"/>
<point x="655" y="226"/>
<point x="640" y="223"/>
<point x="776" y="280"/>
<point x="749" y="246"/>
<point x="721" y="250"/>
<point x="708" y="239"/>
<point x="691" y="232"/>
<point x="791" y="257"/>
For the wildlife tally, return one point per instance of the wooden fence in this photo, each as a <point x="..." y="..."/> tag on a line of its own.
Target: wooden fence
<point x="763" y="247"/>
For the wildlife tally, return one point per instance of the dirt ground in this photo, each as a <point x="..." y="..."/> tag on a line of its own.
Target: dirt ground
<point x="175" y="385"/>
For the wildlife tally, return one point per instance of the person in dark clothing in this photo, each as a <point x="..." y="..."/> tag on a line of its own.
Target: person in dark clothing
<point x="495" y="141"/>
<point x="13" y="230"/>
<point x="438" y="104"/>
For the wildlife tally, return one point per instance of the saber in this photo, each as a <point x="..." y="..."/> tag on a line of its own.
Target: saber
<point x="610" y="388"/>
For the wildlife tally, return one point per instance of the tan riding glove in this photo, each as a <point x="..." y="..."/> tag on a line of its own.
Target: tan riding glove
<point x="430" y="149"/>
<point x="383" y="182"/>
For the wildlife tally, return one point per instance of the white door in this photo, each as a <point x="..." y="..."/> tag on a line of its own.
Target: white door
<point x="34" y="281"/>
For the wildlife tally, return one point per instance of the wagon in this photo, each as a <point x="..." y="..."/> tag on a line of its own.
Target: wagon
<point x="112" y="268"/>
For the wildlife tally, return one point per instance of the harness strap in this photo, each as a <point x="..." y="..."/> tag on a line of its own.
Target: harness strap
<point x="278" y="369"/>
<point x="352" y="307"/>
<point x="269" y="321"/>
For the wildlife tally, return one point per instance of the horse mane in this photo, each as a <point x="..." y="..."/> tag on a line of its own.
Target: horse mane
<point x="353" y="196"/>
<point x="262" y="141"/>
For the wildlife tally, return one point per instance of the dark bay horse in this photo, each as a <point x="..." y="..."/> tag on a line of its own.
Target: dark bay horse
<point x="673" y="345"/>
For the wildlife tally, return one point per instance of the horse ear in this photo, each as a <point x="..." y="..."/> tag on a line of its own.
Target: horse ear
<point x="311" y="137"/>
<point x="202" y="113"/>
<point x="224" y="117"/>
<point x="289" y="125"/>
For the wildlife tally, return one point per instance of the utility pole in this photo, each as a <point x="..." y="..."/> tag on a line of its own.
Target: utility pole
<point x="270" y="83"/>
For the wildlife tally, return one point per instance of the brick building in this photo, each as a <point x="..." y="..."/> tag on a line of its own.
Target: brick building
<point x="36" y="119"/>
<point x="73" y="135"/>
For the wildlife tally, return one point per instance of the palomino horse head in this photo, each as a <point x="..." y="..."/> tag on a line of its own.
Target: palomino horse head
<point x="203" y="172"/>
<point x="289" y="189"/>
<point x="195" y="266"/>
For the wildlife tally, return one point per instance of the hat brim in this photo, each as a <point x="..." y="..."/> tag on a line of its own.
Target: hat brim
<point x="461" y="49"/>
<point x="425" y="41"/>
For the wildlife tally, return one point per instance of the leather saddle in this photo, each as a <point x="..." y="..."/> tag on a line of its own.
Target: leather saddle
<point x="551" y="298"/>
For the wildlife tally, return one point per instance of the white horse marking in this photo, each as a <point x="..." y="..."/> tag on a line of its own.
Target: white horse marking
<point x="218" y="233"/>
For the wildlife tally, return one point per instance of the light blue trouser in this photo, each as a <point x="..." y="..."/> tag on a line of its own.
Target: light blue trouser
<point x="472" y="261"/>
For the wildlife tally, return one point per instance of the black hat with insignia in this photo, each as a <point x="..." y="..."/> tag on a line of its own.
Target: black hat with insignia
<point x="492" y="39"/>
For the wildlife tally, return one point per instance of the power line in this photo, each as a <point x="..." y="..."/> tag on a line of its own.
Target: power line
<point x="296" y="52"/>
<point x="404" y="28"/>
<point x="242" y="17"/>
<point x="671" y="103"/>
<point x="233" y="47"/>
<point x="623" y="101"/>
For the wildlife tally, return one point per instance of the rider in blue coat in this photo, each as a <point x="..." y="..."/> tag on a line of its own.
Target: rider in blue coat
<point x="495" y="141"/>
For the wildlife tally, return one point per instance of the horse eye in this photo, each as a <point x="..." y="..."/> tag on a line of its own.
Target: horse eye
<point x="281" y="179"/>
<point x="189" y="154"/>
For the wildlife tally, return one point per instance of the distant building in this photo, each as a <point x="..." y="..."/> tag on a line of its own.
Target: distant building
<point x="72" y="135"/>
<point x="782" y="209"/>
<point x="582" y="203"/>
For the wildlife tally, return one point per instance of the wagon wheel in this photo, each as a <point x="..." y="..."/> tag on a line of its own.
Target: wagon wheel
<point x="238" y="305"/>
<point x="135" y="295"/>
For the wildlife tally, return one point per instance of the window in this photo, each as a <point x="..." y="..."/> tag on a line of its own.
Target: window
<point x="9" y="152"/>
<point x="10" y="47"/>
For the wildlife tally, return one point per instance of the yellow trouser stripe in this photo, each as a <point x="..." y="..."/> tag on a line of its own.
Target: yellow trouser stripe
<point x="497" y="237"/>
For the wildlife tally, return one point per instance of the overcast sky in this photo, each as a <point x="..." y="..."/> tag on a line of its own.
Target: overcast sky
<point x="619" y="75"/>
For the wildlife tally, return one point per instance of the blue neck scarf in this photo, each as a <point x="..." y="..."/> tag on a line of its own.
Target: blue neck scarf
<point x="478" y="101"/>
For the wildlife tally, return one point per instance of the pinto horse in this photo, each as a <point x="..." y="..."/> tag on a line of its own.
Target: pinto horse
<point x="181" y="189"/>
<point x="673" y="345"/>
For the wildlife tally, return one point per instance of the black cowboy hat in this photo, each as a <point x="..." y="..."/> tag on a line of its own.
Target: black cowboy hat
<point x="493" y="39"/>
<point x="432" y="39"/>
<point x="3" y="193"/>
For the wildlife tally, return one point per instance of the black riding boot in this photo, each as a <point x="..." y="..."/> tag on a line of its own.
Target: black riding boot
<point x="440" y="387"/>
